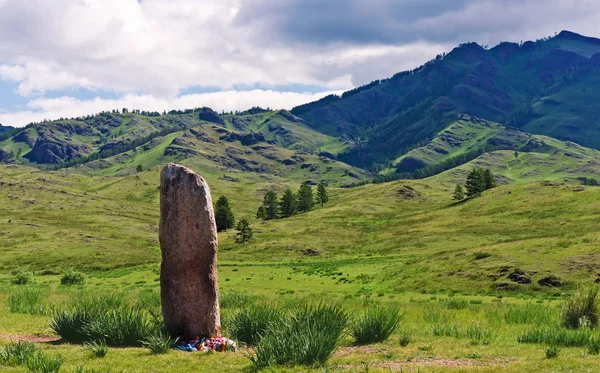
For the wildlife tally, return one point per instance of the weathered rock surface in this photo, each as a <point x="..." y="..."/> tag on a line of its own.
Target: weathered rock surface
<point x="210" y="115"/>
<point x="188" y="242"/>
<point x="48" y="149"/>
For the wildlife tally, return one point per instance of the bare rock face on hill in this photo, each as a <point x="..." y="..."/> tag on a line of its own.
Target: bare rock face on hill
<point x="48" y="149"/>
<point x="188" y="241"/>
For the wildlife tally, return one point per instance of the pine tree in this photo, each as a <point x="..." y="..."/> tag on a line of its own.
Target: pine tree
<point x="223" y="215"/>
<point x="288" y="204"/>
<point x="244" y="233"/>
<point x="459" y="193"/>
<point x="305" y="198"/>
<point x="271" y="205"/>
<point x="322" y="196"/>
<point x="261" y="213"/>
<point x="475" y="182"/>
<point x="488" y="176"/>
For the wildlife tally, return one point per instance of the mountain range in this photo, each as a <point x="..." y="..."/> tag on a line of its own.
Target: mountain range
<point x="536" y="97"/>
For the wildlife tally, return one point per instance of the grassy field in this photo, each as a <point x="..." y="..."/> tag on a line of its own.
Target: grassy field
<point x="448" y="266"/>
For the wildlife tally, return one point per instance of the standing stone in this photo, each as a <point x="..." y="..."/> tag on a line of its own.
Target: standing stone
<point x="189" y="287"/>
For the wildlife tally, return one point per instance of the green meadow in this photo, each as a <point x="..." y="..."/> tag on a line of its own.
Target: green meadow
<point x="448" y="268"/>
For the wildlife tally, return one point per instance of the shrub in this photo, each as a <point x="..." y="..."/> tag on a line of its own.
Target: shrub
<point x="579" y="306"/>
<point x="31" y="301"/>
<point x="405" y="339"/>
<point x="103" y="318"/>
<point x="478" y="334"/>
<point x="594" y="345"/>
<point x="159" y="343"/>
<point x="41" y="363"/>
<point x="455" y="303"/>
<point x="17" y="353"/>
<point x="556" y="336"/>
<point x="249" y="324"/>
<point x="98" y="348"/>
<point x="528" y="314"/>
<point x="551" y="352"/>
<point x="446" y="330"/>
<point x="375" y="324"/>
<point x="72" y="278"/>
<point x="22" y="278"/>
<point x="481" y="255"/>
<point x="308" y="336"/>
<point x="125" y="326"/>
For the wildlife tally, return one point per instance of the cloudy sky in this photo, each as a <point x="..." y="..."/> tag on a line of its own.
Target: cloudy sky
<point x="64" y="58"/>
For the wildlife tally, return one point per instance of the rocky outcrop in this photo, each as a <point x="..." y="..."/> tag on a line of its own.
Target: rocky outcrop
<point x="209" y="115"/>
<point x="188" y="240"/>
<point x="5" y="156"/>
<point x="245" y="138"/>
<point x="24" y="137"/>
<point x="50" y="150"/>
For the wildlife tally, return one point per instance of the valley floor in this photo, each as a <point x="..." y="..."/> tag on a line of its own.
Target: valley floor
<point x="449" y="266"/>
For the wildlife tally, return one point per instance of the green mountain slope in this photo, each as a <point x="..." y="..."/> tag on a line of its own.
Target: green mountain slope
<point x="545" y="87"/>
<point x="472" y="142"/>
<point x="260" y="141"/>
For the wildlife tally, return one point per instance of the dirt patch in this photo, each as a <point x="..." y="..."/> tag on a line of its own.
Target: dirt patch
<point x="433" y="362"/>
<point x="408" y="192"/>
<point x="30" y="338"/>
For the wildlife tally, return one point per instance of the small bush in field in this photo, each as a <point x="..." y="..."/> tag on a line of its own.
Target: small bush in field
<point x="17" y="353"/>
<point x="551" y="352"/>
<point x="375" y="324"/>
<point x="405" y="339"/>
<point x="107" y="318"/>
<point x="41" y="363"/>
<point x="98" y="348"/>
<point x="594" y="345"/>
<point x="556" y="336"/>
<point x="30" y="301"/>
<point x="308" y="336"/>
<point x="455" y="303"/>
<point x="249" y="324"/>
<point x="72" y="278"/>
<point x="23" y="278"/>
<point x="581" y="305"/>
<point x="159" y="343"/>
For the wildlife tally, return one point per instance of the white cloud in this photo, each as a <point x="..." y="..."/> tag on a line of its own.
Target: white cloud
<point x="159" y="48"/>
<point x="45" y="108"/>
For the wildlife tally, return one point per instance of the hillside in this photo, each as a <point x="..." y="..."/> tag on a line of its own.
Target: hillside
<point x="403" y="235"/>
<point x="547" y="87"/>
<point x="272" y="143"/>
<point x="513" y="155"/>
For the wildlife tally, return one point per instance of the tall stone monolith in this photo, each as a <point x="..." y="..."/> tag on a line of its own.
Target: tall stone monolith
<point x="189" y="287"/>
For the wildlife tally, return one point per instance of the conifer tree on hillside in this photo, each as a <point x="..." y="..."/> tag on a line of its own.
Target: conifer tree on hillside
<point x="223" y="215"/>
<point x="244" y="233"/>
<point x="261" y="213"/>
<point x="305" y="198"/>
<point x="488" y="176"/>
<point x="459" y="193"/>
<point x="322" y="196"/>
<point x="271" y="205"/>
<point x="288" y="204"/>
<point x="475" y="182"/>
<point x="479" y="180"/>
